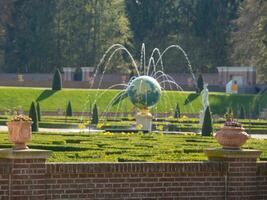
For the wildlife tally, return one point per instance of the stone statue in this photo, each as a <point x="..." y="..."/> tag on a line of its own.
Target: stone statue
<point x="205" y="96"/>
<point x="205" y="102"/>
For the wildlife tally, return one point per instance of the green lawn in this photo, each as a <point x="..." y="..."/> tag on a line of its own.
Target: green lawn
<point x="14" y="98"/>
<point x="122" y="147"/>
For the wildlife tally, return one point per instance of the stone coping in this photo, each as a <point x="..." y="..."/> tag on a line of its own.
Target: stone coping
<point x="232" y="153"/>
<point x="25" y="154"/>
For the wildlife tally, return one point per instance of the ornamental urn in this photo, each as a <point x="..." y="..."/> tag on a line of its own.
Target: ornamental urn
<point x="20" y="131"/>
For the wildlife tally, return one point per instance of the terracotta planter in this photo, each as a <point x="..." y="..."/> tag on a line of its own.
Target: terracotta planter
<point x="231" y="137"/>
<point x="19" y="132"/>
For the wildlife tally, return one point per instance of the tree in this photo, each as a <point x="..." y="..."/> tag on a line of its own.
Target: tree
<point x="95" y="118"/>
<point x="69" y="110"/>
<point x="177" y="112"/>
<point x="57" y="82"/>
<point x="200" y="83"/>
<point x="38" y="111"/>
<point x="85" y="30"/>
<point x="207" y="123"/>
<point x="29" y="43"/>
<point x="249" y="39"/>
<point x="201" y="27"/>
<point x="34" y="117"/>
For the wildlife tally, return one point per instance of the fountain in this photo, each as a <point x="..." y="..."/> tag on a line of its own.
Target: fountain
<point x="144" y="89"/>
<point x="144" y="92"/>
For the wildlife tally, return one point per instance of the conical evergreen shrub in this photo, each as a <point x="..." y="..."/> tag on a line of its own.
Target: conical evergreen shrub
<point x="38" y="111"/>
<point x="57" y="82"/>
<point x="33" y="115"/>
<point x="69" y="110"/>
<point x="95" y="115"/>
<point x="207" y="123"/>
<point x="242" y="112"/>
<point x="177" y="113"/>
<point x="200" y="83"/>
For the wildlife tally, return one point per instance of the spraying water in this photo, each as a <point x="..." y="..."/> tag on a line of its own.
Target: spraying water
<point x="146" y="72"/>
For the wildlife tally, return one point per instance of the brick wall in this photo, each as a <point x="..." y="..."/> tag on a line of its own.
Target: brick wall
<point x="230" y="178"/>
<point x="135" y="180"/>
<point x="5" y="174"/>
<point x="22" y="179"/>
<point x="262" y="180"/>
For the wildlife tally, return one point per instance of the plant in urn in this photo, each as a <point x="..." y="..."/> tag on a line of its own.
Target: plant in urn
<point x="20" y="131"/>
<point x="232" y="135"/>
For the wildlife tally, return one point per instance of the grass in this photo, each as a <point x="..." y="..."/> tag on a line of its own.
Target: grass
<point x="122" y="147"/>
<point x="14" y="98"/>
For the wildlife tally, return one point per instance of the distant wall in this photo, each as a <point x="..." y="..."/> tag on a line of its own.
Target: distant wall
<point x="44" y="80"/>
<point x="183" y="80"/>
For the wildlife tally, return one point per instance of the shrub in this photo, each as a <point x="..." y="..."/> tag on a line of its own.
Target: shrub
<point x="57" y="82"/>
<point x="207" y="123"/>
<point x="242" y="112"/>
<point x="230" y="111"/>
<point x="95" y="115"/>
<point x="69" y="110"/>
<point x="34" y="117"/>
<point x="38" y="111"/>
<point x="200" y="83"/>
<point x="61" y="142"/>
<point x="177" y="113"/>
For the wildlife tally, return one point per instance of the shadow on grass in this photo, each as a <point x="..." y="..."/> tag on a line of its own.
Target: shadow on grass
<point x="190" y="98"/>
<point x="45" y="94"/>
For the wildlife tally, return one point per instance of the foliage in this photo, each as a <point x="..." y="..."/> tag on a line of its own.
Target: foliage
<point x="95" y="118"/>
<point x="200" y="83"/>
<point x="34" y="117"/>
<point x="29" y="36"/>
<point x="229" y="119"/>
<point x="85" y="29"/>
<point x="57" y="81"/>
<point x="177" y="112"/>
<point x="249" y="40"/>
<point x="110" y="147"/>
<point x="201" y="27"/>
<point x="40" y="35"/>
<point x="38" y="111"/>
<point x="69" y="110"/>
<point x="207" y="123"/>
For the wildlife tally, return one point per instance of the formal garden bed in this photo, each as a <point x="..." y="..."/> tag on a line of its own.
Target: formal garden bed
<point x="126" y="146"/>
<point x="183" y="124"/>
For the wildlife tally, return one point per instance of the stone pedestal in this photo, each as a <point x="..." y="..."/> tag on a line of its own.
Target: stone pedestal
<point x="27" y="173"/>
<point x="87" y="71"/>
<point x="68" y="73"/>
<point x="241" y="172"/>
<point x="145" y="119"/>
